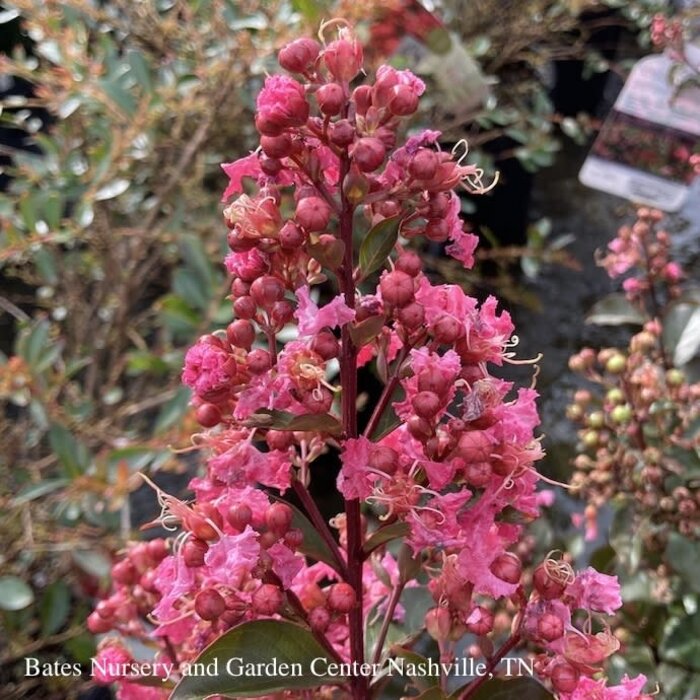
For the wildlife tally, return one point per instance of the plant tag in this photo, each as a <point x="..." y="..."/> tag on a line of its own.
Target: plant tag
<point x="642" y="151"/>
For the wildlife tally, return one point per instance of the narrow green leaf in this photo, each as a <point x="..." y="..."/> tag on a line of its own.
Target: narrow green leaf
<point x="15" y="594"/>
<point x="72" y="455"/>
<point x="683" y="555"/>
<point x="614" y="310"/>
<point x="365" y="331"/>
<point x="259" y="642"/>
<point x="29" y="493"/>
<point x="54" y="608"/>
<point x="384" y="535"/>
<point x="283" y="420"/>
<point x="378" y="244"/>
<point x="689" y="341"/>
<point x="313" y="545"/>
<point x="173" y="410"/>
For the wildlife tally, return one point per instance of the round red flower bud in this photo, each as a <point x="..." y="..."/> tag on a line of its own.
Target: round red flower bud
<point x="383" y="458"/>
<point x="474" y="446"/>
<point x="478" y="473"/>
<point x="209" y="604"/>
<point x="193" y="552"/>
<point x="241" y="333"/>
<point x="124" y="572"/>
<point x="105" y="609"/>
<point x="279" y="439"/>
<point x="419" y="428"/>
<point x="507" y="567"/>
<point x="317" y="401"/>
<point x="437" y="230"/>
<point x="404" y="101"/>
<point x="245" y="308"/>
<point x="258" y="361"/>
<point x="479" y="621"/>
<point x="343" y="58"/>
<point x="341" y="597"/>
<point x="447" y="329"/>
<point x="412" y="315"/>
<point x="432" y="379"/>
<point x="426" y="404"/>
<point x="550" y="627"/>
<point x="319" y="619"/>
<point x="239" y="516"/>
<point x="299" y="55"/>
<point x="278" y="518"/>
<point x="97" y="624"/>
<point x="424" y="164"/>
<point x="342" y="133"/>
<point x="368" y="153"/>
<point x="270" y="166"/>
<point x="239" y="288"/>
<point x="282" y="312"/>
<point x="268" y="599"/>
<point x="266" y="291"/>
<point x="438" y="623"/>
<point x="564" y="678"/>
<point x="208" y="415"/>
<point x="362" y="97"/>
<point x="330" y="98"/>
<point x="313" y="213"/>
<point x="291" y="237"/>
<point x="410" y="263"/>
<point x="294" y="538"/>
<point x="397" y="288"/>
<point x="238" y="243"/>
<point x="326" y="345"/>
<point x="548" y="588"/>
<point x="277" y="146"/>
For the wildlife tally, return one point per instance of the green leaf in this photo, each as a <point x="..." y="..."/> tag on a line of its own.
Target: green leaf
<point x="378" y="244"/>
<point x="682" y="642"/>
<point x="283" y="420"/>
<point x="313" y="545"/>
<point x="33" y="342"/>
<point x="54" y="608"/>
<point x="384" y="535"/>
<point x="73" y="456"/>
<point x="259" y="642"/>
<point x="683" y="556"/>
<point x="15" y="594"/>
<point x="365" y="331"/>
<point x="174" y="410"/>
<point x="614" y="310"/>
<point x="29" y="493"/>
<point x="689" y="341"/>
<point x="513" y="689"/>
<point x="92" y="562"/>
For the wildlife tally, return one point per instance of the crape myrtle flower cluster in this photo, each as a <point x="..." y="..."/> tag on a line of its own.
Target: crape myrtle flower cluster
<point x="331" y="164"/>
<point x="637" y="420"/>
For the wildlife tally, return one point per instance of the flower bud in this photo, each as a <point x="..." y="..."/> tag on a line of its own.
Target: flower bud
<point x="438" y="623"/>
<point x="342" y="133"/>
<point x="550" y="627"/>
<point x="208" y="415"/>
<point x="97" y="624"/>
<point x="564" y="677"/>
<point x="397" y="288"/>
<point x="313" y="213"/>
<point x="410" y="263"/>
<point x="278" y="518"/>
<point x="475" y="446"/>
<point x="266" y="291"/>
<point x="447" y="329"/>
<point x="277" y="146"/>
<point x="258" y="361"/>
<point x="616" y="364"/>
<point x="412" y="316"/>
<point x="241" y="334"/>
<point x="245" y="307"/>
<point x="432" y="379"/>
<point x="426" y="404"/>
<point x="193" y="552"/>
<point x="341" y="597"/>
<point x="548" y="587"/>
<point x="478" y="473"/>
<point x="404" y="101"/>
<point x="343" y="58"/>
<point x="270" y="166"/>
<point x="209" y="604"/>
<point x="239" y="516"/>
<point x="507" y="567"/>
<point x="330" y="98"/>
<point x="362" y="97"/>
<point x="299" y="55"/>
<point x="480" y="621"/>
<point x="268" y="599"/>
<point x="424" y="164"/>
<point x="419" y="428"/>
<point x="326" y="345"/>
<point x="291" y="237"/>
<point x="368" y="153"/>
<point x="319" y="619"/>
<point x="124" y="572"/>
<point x="383" y="458"/>
<point x="294" y="538"/>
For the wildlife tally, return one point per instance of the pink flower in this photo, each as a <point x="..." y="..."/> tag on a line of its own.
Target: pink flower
<point x="449" y="299"/>
<point x="249" y="166"/>
<point x="207" y="369"/>
<point x="109" y="662"/>
<point x="355" y="480"/>
<point x="281" y="104"/>
<point x="629" y="689"/>
<point x="136" y="691"/>
<point x="248" y="265"/>
<point x="311" y="319"/>
<point x="595" y="592"/>
<point x="232" y="557"/>
<point x="285" y="563"/>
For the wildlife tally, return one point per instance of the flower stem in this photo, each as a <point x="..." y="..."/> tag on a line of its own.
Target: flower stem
<point x="388" y="617"/>
<point x="348" y="380"/>
<point x="495" y="660"/>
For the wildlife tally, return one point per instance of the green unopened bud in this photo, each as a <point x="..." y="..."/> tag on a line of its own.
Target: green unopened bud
<point x="674" y="377"/>
<point x="596" y="419"/>
<point x="616" y="364"/>
<point x="621" y="414"/>
<point x="590" y="438"/>
<point x="615" y="396"/>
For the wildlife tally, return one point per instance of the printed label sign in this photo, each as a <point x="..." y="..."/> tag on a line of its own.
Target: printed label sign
<point x="642" y="151"/>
